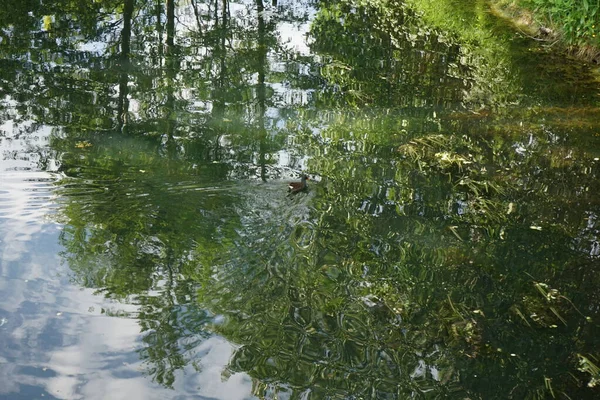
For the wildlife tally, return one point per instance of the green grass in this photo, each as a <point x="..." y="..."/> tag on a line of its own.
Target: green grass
<point x="575" y="23"/>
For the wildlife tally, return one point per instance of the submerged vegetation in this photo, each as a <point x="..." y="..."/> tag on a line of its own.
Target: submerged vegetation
<point x="447" y="248"/>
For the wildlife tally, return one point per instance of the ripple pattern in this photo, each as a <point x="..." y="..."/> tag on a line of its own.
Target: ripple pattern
<point x="27" y="196"/>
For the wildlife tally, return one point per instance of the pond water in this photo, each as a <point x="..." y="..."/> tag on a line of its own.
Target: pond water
<point x="448" y="245"/>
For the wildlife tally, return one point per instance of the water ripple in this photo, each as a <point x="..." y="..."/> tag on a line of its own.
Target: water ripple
<point x="27" y="196"/>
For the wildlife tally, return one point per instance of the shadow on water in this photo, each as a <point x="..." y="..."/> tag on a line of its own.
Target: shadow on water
<point x="446" y="248"/>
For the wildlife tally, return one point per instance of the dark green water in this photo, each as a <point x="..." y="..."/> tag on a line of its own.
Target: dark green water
<point x="448" y="245"/>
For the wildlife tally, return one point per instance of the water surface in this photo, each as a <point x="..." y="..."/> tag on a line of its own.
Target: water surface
<point x="448" y="245"/>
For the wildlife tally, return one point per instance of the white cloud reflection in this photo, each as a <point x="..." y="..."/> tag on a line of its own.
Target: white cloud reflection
<point x="54" y="338"/>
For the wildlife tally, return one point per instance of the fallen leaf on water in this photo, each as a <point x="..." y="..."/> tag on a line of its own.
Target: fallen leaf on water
<point x="83" y="145"/>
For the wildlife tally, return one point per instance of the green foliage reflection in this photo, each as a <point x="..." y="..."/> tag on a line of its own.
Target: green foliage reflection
<point x="448" y="244"/>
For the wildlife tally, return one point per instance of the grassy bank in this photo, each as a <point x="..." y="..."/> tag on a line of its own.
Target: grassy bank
<point x="573" y="25"/>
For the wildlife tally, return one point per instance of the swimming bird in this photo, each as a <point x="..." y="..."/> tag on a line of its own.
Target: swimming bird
<point x="296" y="187"/>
